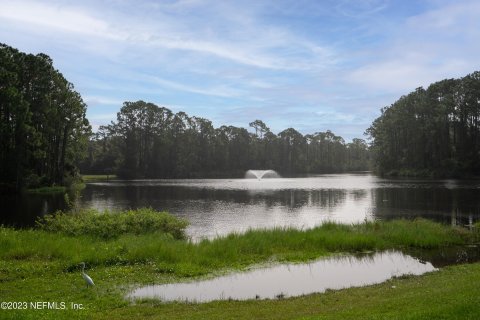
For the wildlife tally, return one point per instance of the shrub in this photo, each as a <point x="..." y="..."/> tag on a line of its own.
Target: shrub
<point x="109" y="224"/>
<point x="33" y="181"/>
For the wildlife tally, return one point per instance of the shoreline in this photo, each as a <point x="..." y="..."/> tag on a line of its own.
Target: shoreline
<point x="38" y="265"/>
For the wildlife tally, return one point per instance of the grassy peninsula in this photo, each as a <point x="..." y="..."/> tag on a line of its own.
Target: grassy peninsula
<point x="129" y="248"/>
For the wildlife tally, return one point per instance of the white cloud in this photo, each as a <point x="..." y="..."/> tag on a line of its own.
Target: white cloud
<point x="395" y="76"/>
<point x="427" y="48"/>
<point x="460" y="16"/>
<point x="360" y="9"/>
<point x="219" y="91"/>
<point x="257" y="45"/>
<point x="60" y="18"/>
<point x="288" y="63"/>
<point x="332" y="117"/>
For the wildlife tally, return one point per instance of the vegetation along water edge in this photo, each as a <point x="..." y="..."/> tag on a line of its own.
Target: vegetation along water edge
<point x="144" y="246"/>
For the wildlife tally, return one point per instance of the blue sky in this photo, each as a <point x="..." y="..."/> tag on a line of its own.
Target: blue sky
<point x="311" y="65"/>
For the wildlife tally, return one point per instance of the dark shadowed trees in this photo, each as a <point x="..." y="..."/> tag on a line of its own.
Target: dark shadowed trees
<point x="431" y="132"/>
<point x="152" y="142"/>
<point x="43" y="127"/>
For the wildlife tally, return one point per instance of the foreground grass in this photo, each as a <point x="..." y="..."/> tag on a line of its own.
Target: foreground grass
<point x="452" y="293"/>
<point x="40" y="265"/>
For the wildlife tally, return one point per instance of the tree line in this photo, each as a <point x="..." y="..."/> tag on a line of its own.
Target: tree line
<point x="46" y="137"/>
<point x="148" y="141"/>
<point x="432" y="132"/>
<point x="43" y="127"/>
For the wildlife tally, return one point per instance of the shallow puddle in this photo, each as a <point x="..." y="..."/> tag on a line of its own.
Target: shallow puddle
<point x="288" y="280"/>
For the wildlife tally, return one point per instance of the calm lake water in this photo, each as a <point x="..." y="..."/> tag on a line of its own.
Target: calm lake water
<point x="220" y="206"/>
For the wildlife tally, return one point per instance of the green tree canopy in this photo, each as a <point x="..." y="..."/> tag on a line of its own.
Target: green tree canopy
<point x="149" y="141"/>
<point x="43" y="127"/>
<point x="431" y="132"/>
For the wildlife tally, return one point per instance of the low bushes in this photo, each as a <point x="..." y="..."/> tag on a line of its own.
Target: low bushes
<point x="108" y="225"/>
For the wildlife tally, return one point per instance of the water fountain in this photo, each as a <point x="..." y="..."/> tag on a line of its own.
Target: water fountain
<point x="259" y="174"/>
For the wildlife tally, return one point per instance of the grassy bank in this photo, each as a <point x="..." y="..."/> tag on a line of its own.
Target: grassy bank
<point x="43" y="264"/>
<point x="44" y="190"/>
<point x="145" y="236"/>
<point x="71" y="188"/>
<point x="98" y="177"/>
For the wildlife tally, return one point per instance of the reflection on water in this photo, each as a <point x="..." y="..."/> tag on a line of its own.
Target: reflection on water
<point x="220" y="206"/>
<point x="213" y="211"/>
<point x="291" y="279"/>
<point x="445" y="256"/>
<point x="22" y="210"/>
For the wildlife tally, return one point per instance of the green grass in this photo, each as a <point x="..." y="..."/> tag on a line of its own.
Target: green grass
<point x="72" y="188"/>
<point x="137" y="237"/>
<point x="42" y="265"/>
<point x="98" y="177"/>
<point x="452" y="293"/>
<point x="108" y="225"/>
<point x="52" y="189"/>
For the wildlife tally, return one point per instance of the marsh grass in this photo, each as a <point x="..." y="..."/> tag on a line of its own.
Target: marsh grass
<point x="146" y="236"/>
<point x="43" y="265"/>
<point x="109" y="225"/>
<point x="47" y="190"/>
<point x="98" y="177"/>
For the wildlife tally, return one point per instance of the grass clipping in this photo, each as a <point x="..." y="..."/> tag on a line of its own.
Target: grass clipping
<point x="110" y="224"/>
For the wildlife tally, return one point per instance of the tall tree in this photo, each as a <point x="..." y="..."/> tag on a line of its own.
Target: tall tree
<point x="431" y="132"/>
<point x="153" y="142"/>
<point x="43" y="125"/>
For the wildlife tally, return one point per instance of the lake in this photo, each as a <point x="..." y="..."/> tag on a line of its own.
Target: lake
<point x="221" y="206"/>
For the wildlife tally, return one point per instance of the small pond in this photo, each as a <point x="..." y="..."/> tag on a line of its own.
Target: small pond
<point x="289" y="280"/>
